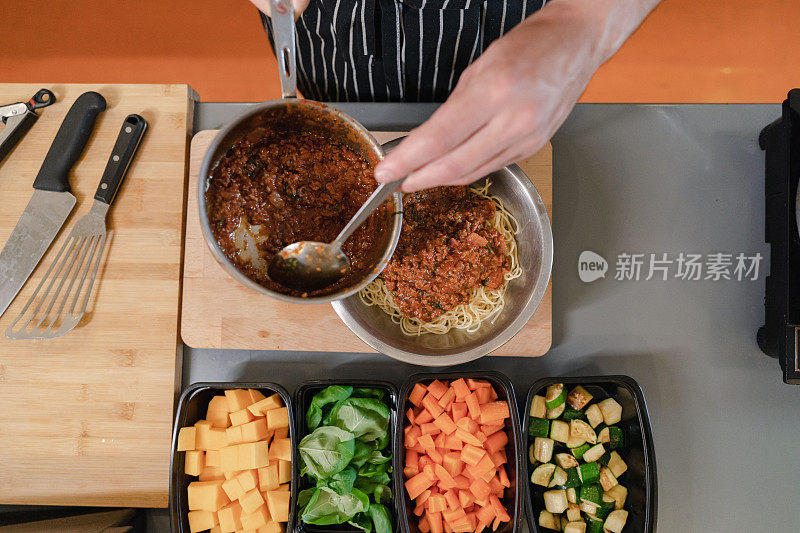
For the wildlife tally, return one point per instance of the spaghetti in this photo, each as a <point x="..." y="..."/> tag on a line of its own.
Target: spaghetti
<point x="492" y="232"/>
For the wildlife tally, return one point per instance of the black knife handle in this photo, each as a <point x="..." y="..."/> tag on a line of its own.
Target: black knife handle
<point x="124" y="149"/>
<point x="69" y="143"/>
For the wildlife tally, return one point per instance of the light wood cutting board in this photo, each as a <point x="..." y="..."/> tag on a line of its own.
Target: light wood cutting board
<point x="220" y="312"/>
<point x="86" y="418"/>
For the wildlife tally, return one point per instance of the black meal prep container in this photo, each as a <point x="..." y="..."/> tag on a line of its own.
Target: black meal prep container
<point x="505" y="392"/>
<point x="302" y="397"/>
<point x="638" y="453"/>
<point x="191" y="408"/>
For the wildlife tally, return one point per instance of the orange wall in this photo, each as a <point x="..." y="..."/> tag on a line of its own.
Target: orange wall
<point x="687" y="51"/>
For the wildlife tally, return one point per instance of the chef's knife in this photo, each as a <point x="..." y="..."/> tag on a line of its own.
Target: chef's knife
<point x="51" y="202"/>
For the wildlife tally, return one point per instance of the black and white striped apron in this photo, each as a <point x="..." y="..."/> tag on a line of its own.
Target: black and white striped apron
<point x="395" y="50"/>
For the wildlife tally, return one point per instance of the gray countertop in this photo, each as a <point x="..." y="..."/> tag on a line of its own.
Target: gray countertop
<point x="637" y="179"/>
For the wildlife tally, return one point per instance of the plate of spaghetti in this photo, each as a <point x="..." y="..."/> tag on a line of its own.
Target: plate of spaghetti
<point x="470" y="268"/>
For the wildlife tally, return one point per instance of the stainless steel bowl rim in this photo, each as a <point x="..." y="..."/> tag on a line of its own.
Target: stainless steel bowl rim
<point x="206" y="167"/>
<point x="492" y="343"/>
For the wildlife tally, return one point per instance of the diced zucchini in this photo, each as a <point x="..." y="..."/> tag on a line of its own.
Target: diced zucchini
<point x="575" y="527"/>
<point x="616" y="521"/>
<point x="594" y="415"/>
<point x="588" y="507"/>
<point x="591" y="493"/>
<point x="594" y="526"/>
<point x="619" y="494"/>
<point x="559" y="431"/>
<point x="573" y="511"/>
<point x="572" y="494"/>
<point x="555" y="395"/>
<point x="594" y="453"/>
<point x="538" y="407"/>
<point x="549" y="520"/>
<point x="604" y="459"/>
<point x="607" y="478"/>
<point x="575" y="441"/>
<point x="532" y="454"/>
<point x="538" y="427"/>
<point x="578" y="397"/>
<point x="589" y="472"/>
<point x="542" y="474"/>
<point x="543" y="449"/>
<point x="604" y="436"/>
<point x="573" y="479"/>
<point x="578" y="429"/>
<point x="616" y="464"/>
<point x="572" y="414"/>
<point x="565" y="460"/>
<point x="580" y="450"/>
<point x="602" y="513"/>
<point x="555" y="501"/>
<point x="556" y="412"/>
<point x="608" y="502"/>
<point x="559" y="478"/>
<point x="616" y="440"/>
<point x="612" y="411"/>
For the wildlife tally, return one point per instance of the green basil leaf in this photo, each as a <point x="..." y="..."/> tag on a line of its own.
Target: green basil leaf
<point x="362" y="521"/>
<point x="366" y="418"/>
<point x="363" y="453"/>
<point x="380" y="518"/>
<point x="342" y="482"/>
<point x="328" y="507"/>
<point x="325" y="451"/>
<point x="328" y="395"/>
<point x="382" y="494"/>
<point x="304" y="496"/>
<point x="364" y="392"/>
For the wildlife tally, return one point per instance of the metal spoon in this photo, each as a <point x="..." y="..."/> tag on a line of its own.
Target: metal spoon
<point x="309" y="265"/>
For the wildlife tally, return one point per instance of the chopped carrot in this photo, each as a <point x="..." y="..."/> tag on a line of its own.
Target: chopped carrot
<point x="426" y="441"/>
<point x="428" y="471"/>
<point x="489" y="429"/>
<point x="437" y="388"/>
<point x="419" y="510"/>
<point x="452" y="463"/>
<point x="462" y="482"/>
<point x="484" y="465"/>
<point x="412" y="459"/>
<point x="423" y="417"/>
<point x="467" y="424"/>
<point x="461" y="389"/>
<point x="499" y="458"/>
<point x="473" y="405"/>
<point x="495" y="484"/>
<point x="436" y="456"/>
<point x="417" y="394"/>
<point x="430" y="429"/>
<point x="412" y="436"/>
<point x="446" y="481"/>
<point x="493" y="412"/>
<point x="445" y="423"/>
<point x="471" y="454"/>
<point x="501" y="473"/>
<point x="422" y="498"/>
<point x="447" y="399"/>
<point x="435" y="521"/>
<point x="483" y="394"/>
<point x="423" y="461"/>
<point x="459" y="410"/>
<point x="465" y="498"/>
<point x="451" y="442"/>
<point x="480" y="489"/>
<point x="440" y="439"/>
<point x="410" y="415"/>
<point x="467" y="437"/>
<point x="424" y="526"/>
<point x="436" y="503"/>
<point x="480" y="436"/>
<point x="454" y="515"/>
<point x="496" y="523"/>
<point x="409" y="471"/>
<point x="417" y="484"/>
<point x="495" y="442"/>
<point x="462" y="526"/>
<point x="499" y="510"/>
<point x="431" y="404"/>
<point x="477" y="383"/>
<point x="452" y="500"/>
<point x="485" y="514"/>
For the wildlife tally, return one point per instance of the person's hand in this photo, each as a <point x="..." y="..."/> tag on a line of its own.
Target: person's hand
<point x="264" y="6"/>
<point x="514" y="97"/>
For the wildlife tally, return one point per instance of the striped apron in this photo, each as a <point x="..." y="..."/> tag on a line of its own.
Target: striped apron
<point x="395" y="50"/>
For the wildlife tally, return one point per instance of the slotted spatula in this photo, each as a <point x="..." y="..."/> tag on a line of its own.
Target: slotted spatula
<point x="63" y="303"/>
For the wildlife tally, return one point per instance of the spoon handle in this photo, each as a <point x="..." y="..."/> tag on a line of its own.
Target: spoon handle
<point x="373" y="202"/>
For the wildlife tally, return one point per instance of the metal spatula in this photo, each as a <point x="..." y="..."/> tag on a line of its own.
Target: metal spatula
<point x="63" y="302"/>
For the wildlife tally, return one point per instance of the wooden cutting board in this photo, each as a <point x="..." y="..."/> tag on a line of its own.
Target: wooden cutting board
<point x="220" y="312"/>
<point x="86" y="418"/>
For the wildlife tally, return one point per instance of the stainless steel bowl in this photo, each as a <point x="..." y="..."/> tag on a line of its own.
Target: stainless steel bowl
<point x="291" y="114"/>
<point x="535" y="242"/>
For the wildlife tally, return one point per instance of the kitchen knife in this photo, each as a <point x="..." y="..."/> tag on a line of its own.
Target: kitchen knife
<point x="51" y="202"/>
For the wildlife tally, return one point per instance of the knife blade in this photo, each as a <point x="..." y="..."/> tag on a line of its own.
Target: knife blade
<point x="51" y="202"/>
